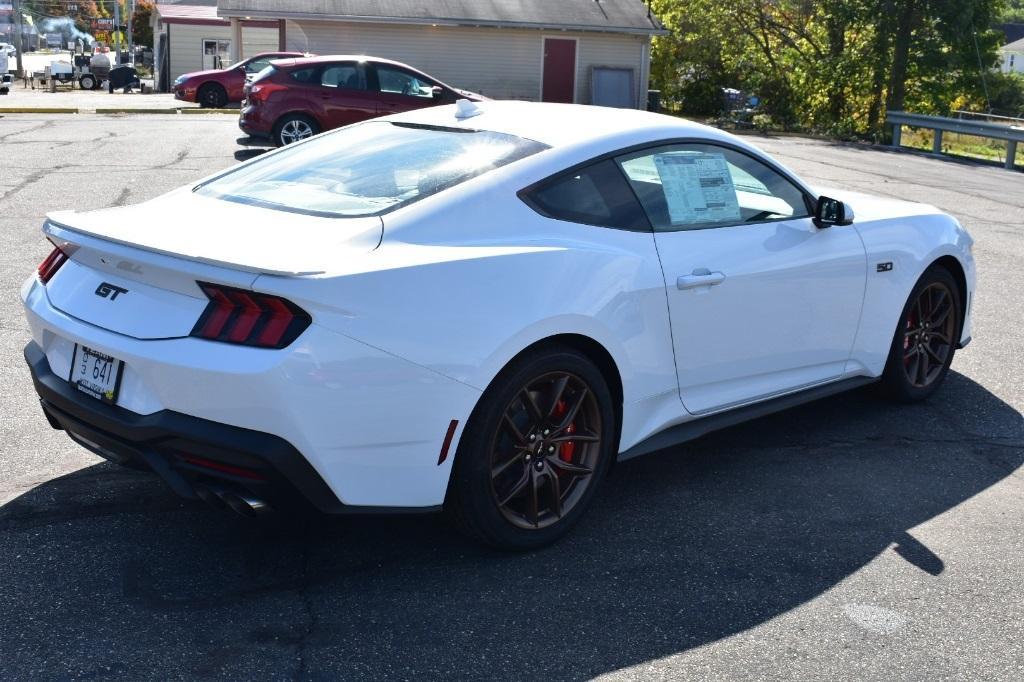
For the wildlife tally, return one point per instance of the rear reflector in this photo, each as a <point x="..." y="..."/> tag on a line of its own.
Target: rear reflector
<point x="223" y="468"/>
<point x="447" y="441"/>
<point x="49" y="267"/>
<point x="248" y="318"/>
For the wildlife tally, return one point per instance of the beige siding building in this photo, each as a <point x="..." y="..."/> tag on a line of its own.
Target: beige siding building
<point x="570" y="51"/>
<point x="191" y="38"/>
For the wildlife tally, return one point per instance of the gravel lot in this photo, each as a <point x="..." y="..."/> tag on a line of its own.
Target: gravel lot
<point x="846" y="539"/>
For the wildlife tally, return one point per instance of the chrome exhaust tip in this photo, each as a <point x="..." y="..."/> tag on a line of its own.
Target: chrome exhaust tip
<point x="245" y="503"/>
<point x="242" y="502"/>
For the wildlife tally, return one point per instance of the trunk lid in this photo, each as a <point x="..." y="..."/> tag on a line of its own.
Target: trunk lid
<point x="135" y="270"/>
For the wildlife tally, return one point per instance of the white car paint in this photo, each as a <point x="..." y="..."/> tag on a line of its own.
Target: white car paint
<point x="416" y="311"/>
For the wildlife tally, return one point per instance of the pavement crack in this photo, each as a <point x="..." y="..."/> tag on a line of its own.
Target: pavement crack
<point x="43" y="126"/>
<point x="27" y="181"/>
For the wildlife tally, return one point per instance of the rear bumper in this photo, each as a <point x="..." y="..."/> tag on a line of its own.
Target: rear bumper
<point x="370" y="425"/>
<point x="185" y="451"/>
<point x="252" y="122"/>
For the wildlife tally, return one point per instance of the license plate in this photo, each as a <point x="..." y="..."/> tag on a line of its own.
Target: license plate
<point x="96" y="374"/>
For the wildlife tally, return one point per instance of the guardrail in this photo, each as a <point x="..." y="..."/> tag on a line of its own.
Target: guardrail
<point x="1011" y="134"/>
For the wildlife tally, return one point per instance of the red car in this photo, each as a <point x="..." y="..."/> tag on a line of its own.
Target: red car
<point x="217" y="87"/>
<point x="298" y="98"/>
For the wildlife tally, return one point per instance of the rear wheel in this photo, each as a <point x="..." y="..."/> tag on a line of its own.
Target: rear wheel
<point x="534" y="451"/>
<point x="294" y="127"/>
<point x="87" y="82"/>
<point x="925" y="341"/>
<point x="212" y="96"/>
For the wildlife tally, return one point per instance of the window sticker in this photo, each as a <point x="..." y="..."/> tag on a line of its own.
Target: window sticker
<point x="698" y="188"/>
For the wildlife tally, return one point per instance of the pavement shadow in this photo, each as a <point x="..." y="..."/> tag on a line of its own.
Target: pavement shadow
<point x="108" y="572"/>
<point x="249" y="153"/>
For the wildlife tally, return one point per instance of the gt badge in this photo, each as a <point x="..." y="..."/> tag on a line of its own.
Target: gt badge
<point x="108" y="290"/>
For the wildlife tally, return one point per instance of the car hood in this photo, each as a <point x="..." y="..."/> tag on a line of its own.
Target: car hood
<point x="871" y="207"/>
<point x="202" y="74"/>
<point x="219" y="232"/>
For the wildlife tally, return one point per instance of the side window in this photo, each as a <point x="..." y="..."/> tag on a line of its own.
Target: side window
<point x="398" y="82"/>
<point x="595" y="195"/>
<point x="307" y="75"/>
<point x="697" y="186"/>
<point x="349" y="76"/>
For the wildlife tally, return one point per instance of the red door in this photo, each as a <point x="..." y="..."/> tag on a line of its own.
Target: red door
<point x="344" y="95"/>
<point x="559" y="80"/>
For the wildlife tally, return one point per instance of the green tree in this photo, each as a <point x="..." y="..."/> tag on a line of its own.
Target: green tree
<point x="142" y="29"/>
<point x="826" y="65"/>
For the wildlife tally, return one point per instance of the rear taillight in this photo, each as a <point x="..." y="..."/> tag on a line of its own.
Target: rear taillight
<point x="49" y="267"/>
<point x="249" y="318"/>
<point x="260" y="91"/>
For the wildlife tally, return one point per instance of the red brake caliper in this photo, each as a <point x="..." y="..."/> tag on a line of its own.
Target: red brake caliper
<point x="911" y="323"/>
<point x="568" y="448"/>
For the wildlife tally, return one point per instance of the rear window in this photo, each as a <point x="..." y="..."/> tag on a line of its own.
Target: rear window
<point x="368" y="169"/>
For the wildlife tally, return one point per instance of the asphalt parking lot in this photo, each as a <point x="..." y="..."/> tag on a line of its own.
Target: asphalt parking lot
<point x="848" y="539"/>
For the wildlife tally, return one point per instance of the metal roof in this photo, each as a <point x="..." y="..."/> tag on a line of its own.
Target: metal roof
<point x="618" y="16"/>
<point x="1015" y="46"/>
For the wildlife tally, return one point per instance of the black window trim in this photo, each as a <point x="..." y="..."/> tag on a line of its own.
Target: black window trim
<point x="524" y="193"/>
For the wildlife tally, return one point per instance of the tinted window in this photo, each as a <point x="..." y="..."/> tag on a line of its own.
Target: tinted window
<point x="399" y="82"/>
<point x="349" y="76"/>
<point x="596" y="195"/>
<point x="307" y="75"/>
<point x="368" y="169"/>
<point x="696" y="186"/>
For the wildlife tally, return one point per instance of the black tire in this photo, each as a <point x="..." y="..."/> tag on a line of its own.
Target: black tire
<point x="897" y="383"/>
<point x="472" y="500"/>
<point x="293" y="128"/>
<point x="211" y="96"/>
<point x="87" y="82"/>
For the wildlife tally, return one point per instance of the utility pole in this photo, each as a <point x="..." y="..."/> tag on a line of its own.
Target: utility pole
<point x="117" y="30"/>
<point x="17" y="37"/>
<point x="131" y="40"/>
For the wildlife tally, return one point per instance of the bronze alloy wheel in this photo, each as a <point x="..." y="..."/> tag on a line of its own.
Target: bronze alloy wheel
<point x="928" y="333"/>
<point x="545" y="450"/>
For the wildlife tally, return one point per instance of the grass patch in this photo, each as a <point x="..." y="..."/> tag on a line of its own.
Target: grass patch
<point x="969" y="146"/>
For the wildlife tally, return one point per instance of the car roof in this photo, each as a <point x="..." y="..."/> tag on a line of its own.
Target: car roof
<point x="327" y="58"/>
<point x="559" y="125"/>
<point x="269" y="53"/>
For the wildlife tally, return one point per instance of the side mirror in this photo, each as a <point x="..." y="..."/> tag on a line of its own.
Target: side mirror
<point x="831" y="212"/>
<point x="437" y="92"/>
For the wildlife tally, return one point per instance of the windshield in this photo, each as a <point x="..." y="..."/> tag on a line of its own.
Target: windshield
<point x="368" y="169"/>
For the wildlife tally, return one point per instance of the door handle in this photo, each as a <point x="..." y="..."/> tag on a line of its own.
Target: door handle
<point x="701" y="277"/>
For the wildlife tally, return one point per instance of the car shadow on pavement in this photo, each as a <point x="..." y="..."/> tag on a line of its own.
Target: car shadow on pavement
<point x="107" y="573"/>
<point x="250" y="153"/>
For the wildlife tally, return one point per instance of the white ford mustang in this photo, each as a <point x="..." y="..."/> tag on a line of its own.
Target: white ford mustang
<point x="478" y="307"/>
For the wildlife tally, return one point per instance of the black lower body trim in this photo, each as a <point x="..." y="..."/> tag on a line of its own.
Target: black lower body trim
<point x="187" y="452"/>
<point x="691" y="430"/>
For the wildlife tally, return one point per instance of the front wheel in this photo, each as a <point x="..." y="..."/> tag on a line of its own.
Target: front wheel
<point x="534" y="451"/>
<point x="294" y="127"/>
<point x="926" y="338"/>
<point x="87" y="82"/>
<point x="212" y="96"/>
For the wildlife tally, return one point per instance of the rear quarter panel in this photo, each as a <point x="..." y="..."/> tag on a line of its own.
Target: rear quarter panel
<point x="465" y="280"/>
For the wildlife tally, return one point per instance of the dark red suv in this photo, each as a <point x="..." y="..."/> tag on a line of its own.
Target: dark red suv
<point x="294" y="99"/>
<point x="217" y="87"/>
